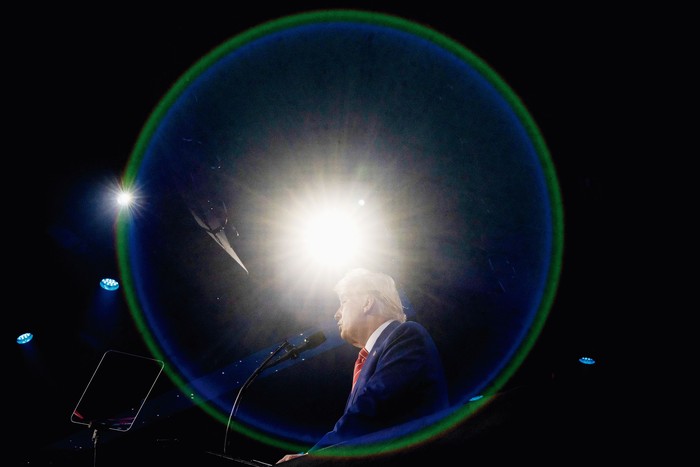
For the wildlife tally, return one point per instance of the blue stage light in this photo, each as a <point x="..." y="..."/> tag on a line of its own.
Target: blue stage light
<point x="109" y="284"/>
<point x="25" y="338"/>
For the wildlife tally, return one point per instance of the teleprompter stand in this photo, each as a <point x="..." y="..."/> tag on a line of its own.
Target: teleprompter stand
<point x="115" y="394"/>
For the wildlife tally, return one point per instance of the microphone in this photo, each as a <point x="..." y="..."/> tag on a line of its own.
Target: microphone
<point x="314" y="340"/>
<point x="311" y="342"/>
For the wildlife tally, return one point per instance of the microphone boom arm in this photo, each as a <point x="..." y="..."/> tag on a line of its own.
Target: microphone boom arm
<point x="310" y="342"/>
<point x="245" y="385"/>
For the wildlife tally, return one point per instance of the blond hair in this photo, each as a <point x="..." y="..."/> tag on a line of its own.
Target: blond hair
<point x="382" y="286"/>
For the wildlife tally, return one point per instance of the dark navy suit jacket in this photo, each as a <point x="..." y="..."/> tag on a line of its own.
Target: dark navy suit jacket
<point x="402" y="379"/>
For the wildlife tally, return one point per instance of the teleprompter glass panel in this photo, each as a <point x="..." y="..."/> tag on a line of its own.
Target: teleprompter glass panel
<point x="117" y="391"/>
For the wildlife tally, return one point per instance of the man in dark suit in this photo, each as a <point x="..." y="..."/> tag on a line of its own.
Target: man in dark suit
<point x="402" y="378"/>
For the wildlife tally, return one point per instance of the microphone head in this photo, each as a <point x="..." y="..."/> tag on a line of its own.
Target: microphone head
<point x="314" y="340"/>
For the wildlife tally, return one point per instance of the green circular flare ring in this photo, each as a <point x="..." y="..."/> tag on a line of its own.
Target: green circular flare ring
<point x="449" y="45"/>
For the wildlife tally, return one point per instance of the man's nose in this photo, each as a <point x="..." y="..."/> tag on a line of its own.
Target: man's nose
<point x="337" y="314"/>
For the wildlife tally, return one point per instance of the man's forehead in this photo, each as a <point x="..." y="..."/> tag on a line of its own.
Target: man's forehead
<point x="347" y="293"/>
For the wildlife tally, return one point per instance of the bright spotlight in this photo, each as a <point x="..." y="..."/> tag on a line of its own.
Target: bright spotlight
<point x="127" y="199"/>
<point x="124" y="198"/>
<point x="331" y="238"/>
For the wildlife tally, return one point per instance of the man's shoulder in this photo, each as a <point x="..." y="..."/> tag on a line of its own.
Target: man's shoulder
<point x="408" y="328"/>
<point x="413" y="326"/>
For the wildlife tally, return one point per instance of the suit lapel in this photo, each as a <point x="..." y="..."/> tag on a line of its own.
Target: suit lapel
<point x="370" y="365"/>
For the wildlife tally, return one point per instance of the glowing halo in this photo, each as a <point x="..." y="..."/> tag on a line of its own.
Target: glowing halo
<point x="440" y="132"/>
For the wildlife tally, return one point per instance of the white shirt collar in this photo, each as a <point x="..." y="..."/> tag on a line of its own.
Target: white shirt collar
<point x="375" y="335"/>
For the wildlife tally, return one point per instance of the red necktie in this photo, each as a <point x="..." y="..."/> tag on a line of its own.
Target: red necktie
<point x="361" y="357"/>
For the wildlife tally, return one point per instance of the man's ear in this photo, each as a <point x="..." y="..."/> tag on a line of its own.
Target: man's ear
<point x="369" y="303"/>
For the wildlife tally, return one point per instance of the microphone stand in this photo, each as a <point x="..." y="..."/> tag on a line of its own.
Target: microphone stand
<point x="96" y="426"/>
<point x="248" y="382"/>
<point x="95" y="437"/>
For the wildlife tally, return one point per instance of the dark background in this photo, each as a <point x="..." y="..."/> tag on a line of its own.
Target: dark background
<point x="80" y="91"/>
